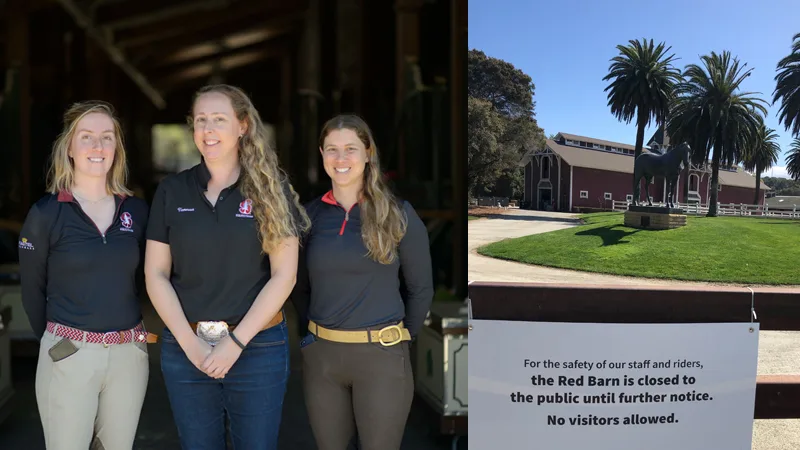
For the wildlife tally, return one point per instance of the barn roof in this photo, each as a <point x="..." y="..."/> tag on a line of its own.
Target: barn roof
<point x="575" y="137"/>
<point x="617" y="162"/>
<point x="740" y="179"/>
<point x="592" y="159"/>
<point x="784" y="202"/>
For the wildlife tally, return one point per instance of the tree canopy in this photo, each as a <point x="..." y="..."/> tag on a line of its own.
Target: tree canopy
<point x="501" y="125"/>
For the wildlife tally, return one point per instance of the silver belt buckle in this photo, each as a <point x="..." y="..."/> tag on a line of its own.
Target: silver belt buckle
<point x="212" y="331"/>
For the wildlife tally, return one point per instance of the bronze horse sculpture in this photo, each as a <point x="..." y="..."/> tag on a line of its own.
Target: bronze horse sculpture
<point x="667" y="165"/>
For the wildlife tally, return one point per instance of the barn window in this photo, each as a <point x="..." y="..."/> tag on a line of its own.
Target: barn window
<point x="545" y="168"/>
<point x="607" y="196"/>
<point x="629" y="198"/>
<point x="584" y="194"/>
<point x="694" y="183"/>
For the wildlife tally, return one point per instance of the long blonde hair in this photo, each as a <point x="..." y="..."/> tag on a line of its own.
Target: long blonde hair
<point x="263" y="179"/>
<point x="61" y="174"/>
<point x="383" y="221"/>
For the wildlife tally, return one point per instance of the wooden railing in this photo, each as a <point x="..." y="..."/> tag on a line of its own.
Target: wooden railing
<point x="724" y="209"/>
<point x="777" y="309"/>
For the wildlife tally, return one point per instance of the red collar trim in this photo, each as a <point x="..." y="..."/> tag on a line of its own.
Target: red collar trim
<point x="329" y="199"/>
<point x="66" y="197"/>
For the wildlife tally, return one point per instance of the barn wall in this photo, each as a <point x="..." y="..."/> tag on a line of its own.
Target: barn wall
<point x="596" y="183"/>
<point x="738" y="195"/>
<point x="533" y="176"/>
<point x="619" y="184"/>
<point x="528" y="178"/>
<point x="564" y="187"/>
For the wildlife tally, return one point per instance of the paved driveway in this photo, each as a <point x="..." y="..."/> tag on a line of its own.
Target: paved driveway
<point x="778" y="351"/>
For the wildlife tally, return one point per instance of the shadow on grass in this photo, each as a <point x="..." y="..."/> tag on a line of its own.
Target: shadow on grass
<point x="795" y="222"/>
<point x="611" y="235"/>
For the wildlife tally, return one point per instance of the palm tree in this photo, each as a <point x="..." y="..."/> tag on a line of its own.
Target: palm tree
<point x="788" y="88"/>
<point x="708" y="112"/>
<point x="793" y="160"/>
<point x="642" y="86"/>
<point x="762" y="152"/>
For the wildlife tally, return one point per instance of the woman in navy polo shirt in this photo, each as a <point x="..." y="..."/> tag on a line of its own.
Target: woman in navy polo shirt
<point x="356" y="362"/>
<point x="80" y="257"/>
<point x="221" y="260"/>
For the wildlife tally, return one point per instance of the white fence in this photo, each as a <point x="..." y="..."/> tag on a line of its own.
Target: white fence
<point x="724" y="209"/>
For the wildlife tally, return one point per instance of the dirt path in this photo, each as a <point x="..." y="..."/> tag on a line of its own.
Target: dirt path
<point x="778" y="351"/>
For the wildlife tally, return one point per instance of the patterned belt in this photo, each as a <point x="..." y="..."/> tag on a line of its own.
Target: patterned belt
<point x="137" y="334"/>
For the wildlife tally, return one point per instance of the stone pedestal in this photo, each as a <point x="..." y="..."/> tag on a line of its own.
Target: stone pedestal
<point x="654" y="217"/>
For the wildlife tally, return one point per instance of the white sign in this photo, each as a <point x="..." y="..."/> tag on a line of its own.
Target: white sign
<point x="565" y="386"/>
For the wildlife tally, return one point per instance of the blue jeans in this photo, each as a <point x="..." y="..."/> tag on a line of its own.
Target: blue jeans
<point x="251" y="394"/>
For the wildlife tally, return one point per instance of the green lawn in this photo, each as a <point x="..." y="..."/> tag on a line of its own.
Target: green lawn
<point x="720" y="249"/>
<point x="472" y="217"/>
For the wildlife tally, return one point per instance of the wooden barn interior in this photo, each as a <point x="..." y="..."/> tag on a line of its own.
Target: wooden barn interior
<point x="400" y="64"/>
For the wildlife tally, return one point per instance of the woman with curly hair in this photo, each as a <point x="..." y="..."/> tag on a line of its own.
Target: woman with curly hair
<point x="356" y="362"/>
<point x="221" y="261"/>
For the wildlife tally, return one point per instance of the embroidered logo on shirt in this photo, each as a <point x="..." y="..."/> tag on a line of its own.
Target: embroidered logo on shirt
<point x="25" y="245"/>
<point x="246" y="209"/>
<point x="185" y="209"/>
<point x="127" y="222"/>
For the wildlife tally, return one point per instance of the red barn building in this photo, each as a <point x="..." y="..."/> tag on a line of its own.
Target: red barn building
<point x="577" y="173"/>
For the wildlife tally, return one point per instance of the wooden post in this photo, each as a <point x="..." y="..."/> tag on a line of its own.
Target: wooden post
<point x="308" y="90"/>
<point x="18" y="51"/>
<point x="458" y="145"/>
<point x="406" y="52"/>
<point x="284" y="129"/>
<point x="349" y="51"/>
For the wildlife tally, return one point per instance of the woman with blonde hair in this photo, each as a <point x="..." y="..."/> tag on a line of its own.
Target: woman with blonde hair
<point x="356" y="362"/>
<point x="80" y="255"/>
<point x="222" y="249"/>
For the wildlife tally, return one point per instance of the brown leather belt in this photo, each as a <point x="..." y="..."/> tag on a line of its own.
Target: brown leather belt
<point x="275" y="321"/>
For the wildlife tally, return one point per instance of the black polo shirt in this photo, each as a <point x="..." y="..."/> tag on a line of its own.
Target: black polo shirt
<point x="218" y="268"/>
<point x="340" y="287"/>
<point x="74" y="274"/>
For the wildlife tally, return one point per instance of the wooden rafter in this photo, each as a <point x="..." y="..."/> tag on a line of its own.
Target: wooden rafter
<point x="219" y="63"/>
<point x="116" y="55"/>
<point x="169" y="12"/>
<point x="214" y="49"/>
<point x="229" y="38"/>
<point x="199" y="24"/>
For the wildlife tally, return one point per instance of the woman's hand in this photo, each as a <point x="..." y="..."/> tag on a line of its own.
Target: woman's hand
<point x="197" y="350"/>
<point x="222" y="357"/>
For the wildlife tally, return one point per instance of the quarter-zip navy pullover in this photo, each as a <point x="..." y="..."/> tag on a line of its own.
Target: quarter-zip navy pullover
<point x="340" y="287"/>
<point x="74" y="274"/>
<point x="218" y="268"/>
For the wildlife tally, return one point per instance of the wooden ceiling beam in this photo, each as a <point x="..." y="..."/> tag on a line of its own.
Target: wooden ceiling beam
<point x="225" y="44"/>
<point x="170" y="12"/>
<point x="198" y="24"/>
<point x="278" y="47"/>
<point x="114" y="53"/>
<point x="220" y="63"/>
<point x="155" y="54"/>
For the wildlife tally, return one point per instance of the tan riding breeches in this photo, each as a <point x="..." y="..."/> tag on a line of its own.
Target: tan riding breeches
<point x="92" y="398"/>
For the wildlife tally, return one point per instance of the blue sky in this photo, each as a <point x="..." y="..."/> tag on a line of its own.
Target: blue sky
<point x="566" y="47"/>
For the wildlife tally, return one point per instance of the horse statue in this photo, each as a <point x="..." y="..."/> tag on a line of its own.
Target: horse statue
<point x="667" y="165"/>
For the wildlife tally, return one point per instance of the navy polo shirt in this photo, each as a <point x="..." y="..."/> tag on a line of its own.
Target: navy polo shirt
<point x="218" y="267"/>
<point x="74" y="274"/>
<point x="340" y="287"/>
